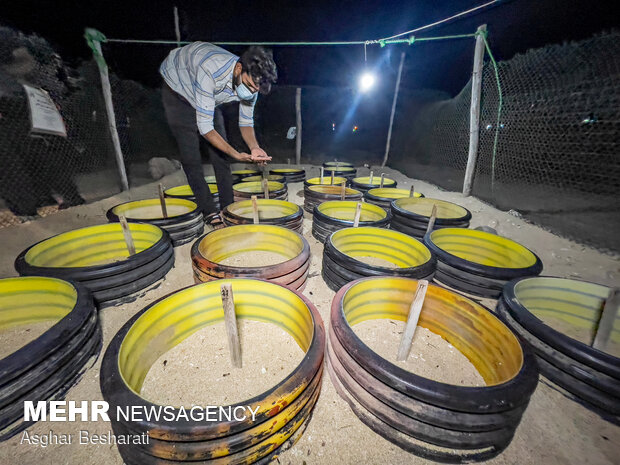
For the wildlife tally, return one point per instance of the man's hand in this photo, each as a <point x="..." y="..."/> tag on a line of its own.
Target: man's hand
<point x="259" y="156"/>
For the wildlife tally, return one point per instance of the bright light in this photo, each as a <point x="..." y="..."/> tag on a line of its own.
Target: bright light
<point x="366" y="81"/>
<point x="354" y="128"/>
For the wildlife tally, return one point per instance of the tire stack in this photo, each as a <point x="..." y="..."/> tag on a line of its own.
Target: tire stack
<point x="364" y="183"/>
<point x="245" y="173"/>
<point x="275" y="212"/>
<point x="245" y="190"/>
<point x="437" y="421"/>
<point x="317" y="194"/>
<point x="479" y="262"/>
<point x="411" y="215"/>
<point x="291" y="174"/>
<point x="281" y="411"/>
<point x="591" y="376"/>
<point x="337" y="164"/>
<point x="344" y="251"/>
<point x="327" y="181"/>
<point x="184" y="222"/>
<point x="47" y="367"/>
<point x="213" y="248"/>
<point x="271" y="177"/>
<point x="334" y="215"/>
<point x="383" y="197"/>
<point x="97" y="257"/>
<point x="347" y="172"/>
<point x="185" y="192"/>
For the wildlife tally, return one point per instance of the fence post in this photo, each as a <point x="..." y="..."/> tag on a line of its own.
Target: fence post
<point x="474" y="112"/>
<point x="93" y="38"/>
<point x="389" y="136"/>
<point x="298" y="124"/>
<point x="177" y="29"/>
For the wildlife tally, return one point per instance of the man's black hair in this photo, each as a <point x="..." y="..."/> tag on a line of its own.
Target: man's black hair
<point x="258" y="63"/>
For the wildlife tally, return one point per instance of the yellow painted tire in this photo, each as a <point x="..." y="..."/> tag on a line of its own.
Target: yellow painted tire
<point x="97" y="257"/>
<point x="48" y="366"/>
<point x="363" y="183"/>
<point x="245" y="190"/>
<point x="281" y="410"/>
<point x="479" y="262"/>
<point x="384" y="197"/>
<point x="337" y="164"/>
<point x="327" y="181"/>
<point x="439" y="421"/>
<point x="209" y="251"/>
<point x="333" y="215"/>
<point x="317" y="194"/>
<point x="185" y="192"/>
<point x="272" y="177"/>
<point x="343" y="248"/>
<point x="592" y="376"/>
<point x="275" y="212"/>
<point x="245" y="173"/>
<point x="290" y="174"/>
<point x="184" y="222"/>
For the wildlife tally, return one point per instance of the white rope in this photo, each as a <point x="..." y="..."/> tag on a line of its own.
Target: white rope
<point x="462" y="13"/>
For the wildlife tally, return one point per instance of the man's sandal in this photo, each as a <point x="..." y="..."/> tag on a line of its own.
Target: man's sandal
<point x="215" y="221"/>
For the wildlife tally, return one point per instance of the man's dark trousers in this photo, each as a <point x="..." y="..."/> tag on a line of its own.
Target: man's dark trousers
<point x="181" y="117"/>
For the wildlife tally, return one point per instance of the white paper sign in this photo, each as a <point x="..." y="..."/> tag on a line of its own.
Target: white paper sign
<point x="44" y="116"/>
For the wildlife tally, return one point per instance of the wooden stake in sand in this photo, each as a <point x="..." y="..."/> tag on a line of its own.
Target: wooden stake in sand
<point x="606" y="322"/>
<point x="431" y="220"/>
<point x="127" y="234"/>
<point x="228" y="302"/>
<point x="266" y="188"/>
<point x="412" y="191"/>
<point x="162" y="200"/>
<point x="322" y="175"/>
<point x="255" y="210"/>
<point x="412" y="321"/>
<point x="288" y="161"/>
<point x="358" y="213"/>
<point x="382" y="180"/>
<point x="372" y="175"/>
<point x="332" y="182"/>
<point x="343" y="190"/>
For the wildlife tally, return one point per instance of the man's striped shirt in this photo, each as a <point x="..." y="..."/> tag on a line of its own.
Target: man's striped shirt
<point x="203" y="73"/>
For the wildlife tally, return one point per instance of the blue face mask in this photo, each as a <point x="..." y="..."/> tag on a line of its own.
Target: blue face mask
<point x="244" y="93"/>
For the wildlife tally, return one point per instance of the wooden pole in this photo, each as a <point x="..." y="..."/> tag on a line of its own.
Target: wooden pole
<point x="127" y="235"/>
<point x="358" y="213"/>
<point x="255" y="210"/>
<point x="382" y="180"/>
<point x="230" y="318"/>
<point x="332" y="181"/>
<point x="474" y="112"/>
<point x="162" y="201"/>
<point x="343" y="190"/>
<point x="266" y="188"/>
<point x="371" y="177"/>
<point x="412" y="191"/>
<point x="608" y="317"/>
<point x="322" y="175"/>
<point x="389" y="136"/>
<point x="431" y="220"/>
<point x="109" y="108"/>
<point x="298" y="123"/>
<point x="412" y="321"/>
<point x="177" y="29"/>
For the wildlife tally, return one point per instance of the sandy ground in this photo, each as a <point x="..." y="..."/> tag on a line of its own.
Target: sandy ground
<point x="554" y="430"/>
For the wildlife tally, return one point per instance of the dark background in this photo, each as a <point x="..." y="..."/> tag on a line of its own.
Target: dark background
<point x="514" y="27"/>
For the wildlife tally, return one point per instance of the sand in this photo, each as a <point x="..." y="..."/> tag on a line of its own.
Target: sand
<point x="554" y="429"/>
<point x="374" y="261"/>
<point x="198" y="371"/>
<point x="431" y="356"/>
<point x="584" y="335"/>
<point x="16" y="337"/>
<point x="253" y="259"/>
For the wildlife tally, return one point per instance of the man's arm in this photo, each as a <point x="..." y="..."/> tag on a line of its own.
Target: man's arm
<point x="219" y="143"/>
<point x="246" y="126"/>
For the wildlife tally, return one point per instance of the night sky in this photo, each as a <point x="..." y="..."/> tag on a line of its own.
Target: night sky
<point x="514" y="26"/>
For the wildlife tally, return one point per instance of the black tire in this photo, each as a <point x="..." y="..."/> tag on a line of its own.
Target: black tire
<point x="47" y="367"/>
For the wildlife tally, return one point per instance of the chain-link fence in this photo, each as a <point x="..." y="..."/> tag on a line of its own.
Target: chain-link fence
<point x="557" y="160"/>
